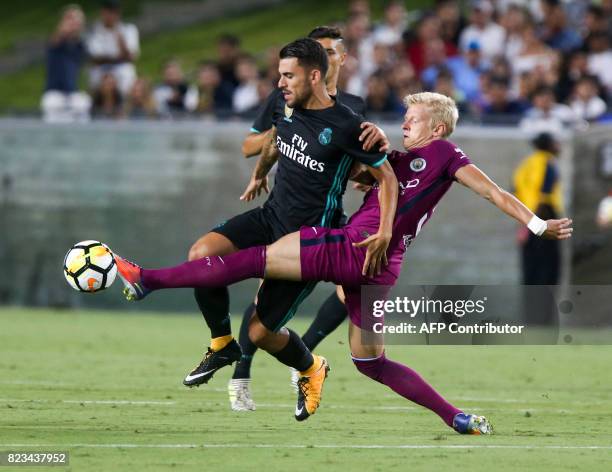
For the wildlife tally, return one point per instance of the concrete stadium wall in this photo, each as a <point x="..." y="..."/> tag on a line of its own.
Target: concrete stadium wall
<point x="150" y="189"/>
<point x="592" y="245"/>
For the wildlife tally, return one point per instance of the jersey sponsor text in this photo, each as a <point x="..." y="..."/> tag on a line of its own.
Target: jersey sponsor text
<point x="295" y="152"/>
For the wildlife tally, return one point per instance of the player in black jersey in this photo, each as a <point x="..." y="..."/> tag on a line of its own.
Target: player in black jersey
<point x="331" y="39"/>
<point x="317" y="139"/>
<point x="332" y="312"/>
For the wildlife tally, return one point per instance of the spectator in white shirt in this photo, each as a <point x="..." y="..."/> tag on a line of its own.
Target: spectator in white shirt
<point x="359" y="45"/>
<point x="113" y="46"/>
<point x="391" y="30"/>
<point x="514" y="20"/>
<point x="170" y="96"/>
<point x="534" y="53"/>
<point x="245" y="95"/>
<point x="600" y="59"/>
<point x="585" y="101"/>
<point x="484" y="31"/>
<point x="546" y="114"/>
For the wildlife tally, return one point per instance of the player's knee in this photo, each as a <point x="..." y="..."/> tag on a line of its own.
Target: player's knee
<point x="371" y="367"/>
<point x="257" y="333"/>
<point x="197" y="251"/>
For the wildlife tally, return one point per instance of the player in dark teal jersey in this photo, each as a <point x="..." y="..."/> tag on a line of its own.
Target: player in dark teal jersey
<point x="332" y="312"/>
<point x="318" y="142"/>
<point x="331" y="39"/>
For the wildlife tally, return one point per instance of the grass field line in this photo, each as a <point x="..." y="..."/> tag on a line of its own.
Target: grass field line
<point x="513" y="400"/>
<point x="309" y="446"/>
<point x="76" y="386"/>
<point x="89" y="402"/>
<point x="385" y="395"/>
<point x="36" y="382"/>
<point x="271" y="405"/>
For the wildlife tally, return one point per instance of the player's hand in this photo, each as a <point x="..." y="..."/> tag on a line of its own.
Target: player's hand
<point x="558" y="229"/>
<point x="361" y="187"/>
<point x="372" y="135"/>
<point x="376" y="254"/>
<point x="254" y="189"/>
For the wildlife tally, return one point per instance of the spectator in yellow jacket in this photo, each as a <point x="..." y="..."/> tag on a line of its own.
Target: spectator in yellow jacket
<point x="537" y="184"/>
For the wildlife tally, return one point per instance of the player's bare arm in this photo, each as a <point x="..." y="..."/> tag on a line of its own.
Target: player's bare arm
<point x="253" y="144"/>
<point x="259" y="178"/>
<point x="378" y="243"/>
<point x="360" y="174"/>
<point x="372" y="135"/>
<point x="476" y="180"/>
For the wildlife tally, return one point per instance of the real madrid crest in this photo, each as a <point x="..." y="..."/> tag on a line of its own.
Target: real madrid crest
<point x="325" y="136"/>
<point x="288" y="112"/>
<point x="418" y="164"/>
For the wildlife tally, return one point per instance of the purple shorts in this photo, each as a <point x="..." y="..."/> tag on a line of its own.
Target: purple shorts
<point x="328" y="254"/>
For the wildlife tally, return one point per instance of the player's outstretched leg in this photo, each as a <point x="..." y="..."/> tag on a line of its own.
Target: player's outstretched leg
<point x="369" y="357"/>
<point x="208" y="271"/>
<point x="409" y="384"/>
<point x="213" y="271"/>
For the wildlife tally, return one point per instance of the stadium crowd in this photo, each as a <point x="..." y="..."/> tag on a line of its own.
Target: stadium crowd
<point x="540" y="64"/>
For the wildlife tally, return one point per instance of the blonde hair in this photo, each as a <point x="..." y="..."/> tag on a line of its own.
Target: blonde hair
<point x="73" y="8"/>
<point x="443" y="109"/>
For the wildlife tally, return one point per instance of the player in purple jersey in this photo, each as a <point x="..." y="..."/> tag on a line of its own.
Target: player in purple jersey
<point x="425" y="173"/>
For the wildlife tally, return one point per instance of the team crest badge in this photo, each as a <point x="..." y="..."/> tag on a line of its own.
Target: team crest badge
<point x="418" y="164"/>
<point x="288" y="113"/>
<point x="325" y="136"/>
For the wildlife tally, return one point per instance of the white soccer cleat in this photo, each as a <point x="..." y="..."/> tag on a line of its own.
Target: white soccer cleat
<point x="240" y="395"/>
<point x="295" y="376"/>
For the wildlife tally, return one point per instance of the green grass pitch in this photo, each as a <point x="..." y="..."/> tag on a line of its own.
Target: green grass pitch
<point x="107" y="388"/>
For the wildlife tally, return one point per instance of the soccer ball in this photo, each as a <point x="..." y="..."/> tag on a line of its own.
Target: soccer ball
<point x="89" y="266"/>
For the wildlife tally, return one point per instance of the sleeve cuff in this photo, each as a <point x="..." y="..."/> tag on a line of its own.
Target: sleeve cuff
<point x="379" y="163"/>
<point x="255" y="130"/>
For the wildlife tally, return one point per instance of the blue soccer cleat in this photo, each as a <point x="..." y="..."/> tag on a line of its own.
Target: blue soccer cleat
<point x="130" y="276"/>
<point x="471" y="424"/>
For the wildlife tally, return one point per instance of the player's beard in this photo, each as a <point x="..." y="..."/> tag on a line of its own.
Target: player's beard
<point x="302" y="98"/>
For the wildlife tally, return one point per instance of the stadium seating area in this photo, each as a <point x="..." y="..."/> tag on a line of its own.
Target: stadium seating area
<point x="539" y="64"/>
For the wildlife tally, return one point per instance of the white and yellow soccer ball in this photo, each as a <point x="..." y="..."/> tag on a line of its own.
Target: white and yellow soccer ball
<point x="89" y="266"/>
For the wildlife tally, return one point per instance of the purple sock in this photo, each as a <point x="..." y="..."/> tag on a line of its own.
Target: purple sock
<point x="406" y="382"/>
<point x="213" y="271"/>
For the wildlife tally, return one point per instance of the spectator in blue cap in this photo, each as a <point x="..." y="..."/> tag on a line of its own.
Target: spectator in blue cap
<point x="465" y="69"/>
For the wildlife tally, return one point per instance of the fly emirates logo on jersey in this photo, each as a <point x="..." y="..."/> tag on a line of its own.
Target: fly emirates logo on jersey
<point x="296" y="151"/>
